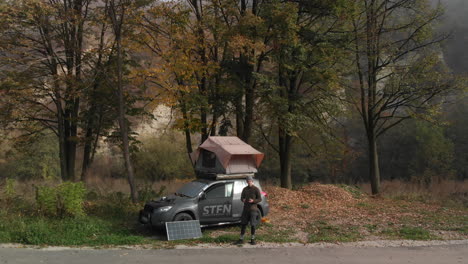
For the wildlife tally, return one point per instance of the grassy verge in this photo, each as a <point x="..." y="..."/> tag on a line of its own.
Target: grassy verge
<point x="111" y="220"/>
<point x="408" y="232"/>
<point x="89" y="230"/>
<point x="321" y="231"/>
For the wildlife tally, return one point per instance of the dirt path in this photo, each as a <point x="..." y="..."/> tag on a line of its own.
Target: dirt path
<point x="440" y="252"/>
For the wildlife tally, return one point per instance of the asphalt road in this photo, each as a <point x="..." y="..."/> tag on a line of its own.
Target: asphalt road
<point x="457" y="254"/>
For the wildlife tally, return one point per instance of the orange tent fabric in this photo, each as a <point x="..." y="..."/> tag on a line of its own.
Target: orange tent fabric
<point x="226" y="147"/>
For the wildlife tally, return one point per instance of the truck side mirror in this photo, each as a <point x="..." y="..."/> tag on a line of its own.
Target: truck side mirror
<point x="202" y="196"/>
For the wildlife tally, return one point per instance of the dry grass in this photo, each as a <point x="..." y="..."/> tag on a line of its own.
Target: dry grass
<point x="340" y="208"/>
<point x="104" y="186"/>
<point x="437" y="191"/>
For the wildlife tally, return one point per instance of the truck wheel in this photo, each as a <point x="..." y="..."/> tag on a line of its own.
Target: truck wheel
<point x="260" y="212"/>
<point x="183" y="217"/>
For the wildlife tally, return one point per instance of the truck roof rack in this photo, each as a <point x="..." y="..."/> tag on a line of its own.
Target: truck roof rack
<point x="215" y="176"/>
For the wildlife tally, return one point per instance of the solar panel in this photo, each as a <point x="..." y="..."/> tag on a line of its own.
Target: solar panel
<point x="183" y="230"/>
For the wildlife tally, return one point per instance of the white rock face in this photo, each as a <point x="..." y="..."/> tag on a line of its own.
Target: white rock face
<point x="163" y="122"/>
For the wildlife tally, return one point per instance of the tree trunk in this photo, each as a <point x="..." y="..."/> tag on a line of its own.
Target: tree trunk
<point x="249" y="105"/>
<point x="285" y="143"/>
<point x="98" y="134"/>
<point x="215" y="103"/>
<point x="188" y="139"/>
<point x="87" y="151"/>
<point x="203" y="112"/>
<point x="62" y="143"/>
<point x="239" y="116"/>
<point x="68" y="144"/>
<point x="374" y="170"/>
<point x="117" y="23"/>
<point x="90" y="122"/>
<point x="72" y="140"/>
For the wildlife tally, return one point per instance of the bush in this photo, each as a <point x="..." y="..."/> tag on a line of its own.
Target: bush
<point x="162" y="158"/>
<point x="10" y="189"/>
<point x="46" y="199"/>
<point x="115" y="206"/>
<point x="35" y="158"/>
<point x="71" y="197"/>
<point x="64" y="199"/>
<point x="147" y="193"/>
<point x="9" y="194"/>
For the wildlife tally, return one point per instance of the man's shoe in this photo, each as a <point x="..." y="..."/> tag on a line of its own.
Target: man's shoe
<point x="252" y="242"/>
<point x="239" y="242"/>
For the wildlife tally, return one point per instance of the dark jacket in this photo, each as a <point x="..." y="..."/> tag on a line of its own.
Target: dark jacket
<point x="251" y="193"/>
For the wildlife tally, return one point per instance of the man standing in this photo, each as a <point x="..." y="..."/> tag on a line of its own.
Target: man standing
<point x="250" y="197"/>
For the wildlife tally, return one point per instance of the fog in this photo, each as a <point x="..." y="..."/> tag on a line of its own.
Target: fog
<point x="455" y="22"/>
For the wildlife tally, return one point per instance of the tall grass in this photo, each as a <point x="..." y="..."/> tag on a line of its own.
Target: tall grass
<point x="438" y="191"/>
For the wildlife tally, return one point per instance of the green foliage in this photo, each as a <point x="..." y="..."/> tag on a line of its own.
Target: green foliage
<point x="162" y="158"/>
<point x="34" y="158"/>
<point x="269" y="233"/>
<point x="457" y="132"/>
<point x="47" y="200"/>
<point x="415" y="233"/>
<point x="92" y="196"/>
<point x="116" y="205"/>
<point x="65" y="232"/>
<point x="10" y="191"/>
<point x="371" y="227"/>
<point x="323" y="232"/>
<point x="64" y="199"/>
<point x="418" y="151"/>
<point x="147" y="193"/>
<point x="408" y="232"/>
<point x="435" y="153"/>
<point x="71" y="197"/>
<point x="221" y="239"/>
<point x="353" y="190"/>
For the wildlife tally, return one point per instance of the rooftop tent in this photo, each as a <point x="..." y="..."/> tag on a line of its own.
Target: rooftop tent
<point x="226" y="155"/>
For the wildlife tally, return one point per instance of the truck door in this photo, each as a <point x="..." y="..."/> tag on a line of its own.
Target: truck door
<point x="215" y="205"/>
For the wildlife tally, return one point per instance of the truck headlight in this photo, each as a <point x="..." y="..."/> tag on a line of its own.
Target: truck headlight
<point x="164" y="209"/>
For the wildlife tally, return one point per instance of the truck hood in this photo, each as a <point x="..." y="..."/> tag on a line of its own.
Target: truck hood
<point x="165" y="201"/>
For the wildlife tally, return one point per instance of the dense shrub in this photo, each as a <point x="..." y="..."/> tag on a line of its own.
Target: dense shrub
<point x="162" y="158"/>
<point x="148" y="193"/>
<point x="35" y="158"/>
<point x="46" y="199"/>
<point x="64" y="199"/>
<point x="9" y="189"/>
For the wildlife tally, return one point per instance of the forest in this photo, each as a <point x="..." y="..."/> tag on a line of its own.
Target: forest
<point x="332" y="91"/>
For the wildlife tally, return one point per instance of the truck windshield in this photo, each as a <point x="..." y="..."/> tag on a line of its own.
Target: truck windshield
<point x="191" y="189"/>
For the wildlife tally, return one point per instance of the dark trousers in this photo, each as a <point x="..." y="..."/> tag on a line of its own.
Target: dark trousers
<point x="252" y="217"/>
<point x="244" y="227"/>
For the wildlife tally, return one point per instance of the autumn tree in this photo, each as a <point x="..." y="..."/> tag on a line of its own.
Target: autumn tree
<point x="43" y="79"/>
<point x="97" y="110"/>
<point x="215" y="47"/>
<point x="59" y="68"/>
<point x="118" y="12"/>
<point x="397" y="66"/>
<point x="296" y="88"/>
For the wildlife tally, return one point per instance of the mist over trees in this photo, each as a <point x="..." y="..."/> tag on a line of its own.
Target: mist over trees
<point x="341" y="91"/>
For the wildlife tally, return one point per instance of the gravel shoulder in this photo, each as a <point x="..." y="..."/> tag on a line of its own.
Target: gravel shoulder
<point x="372" y="252"/>
<point x="359" y="244"/>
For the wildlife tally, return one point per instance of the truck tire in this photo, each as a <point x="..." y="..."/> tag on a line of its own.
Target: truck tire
<point x="183" y="217"/>
<point x="260" y="212"/>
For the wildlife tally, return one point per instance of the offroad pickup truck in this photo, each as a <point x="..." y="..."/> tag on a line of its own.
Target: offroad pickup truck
<point x="212" y="202"/>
